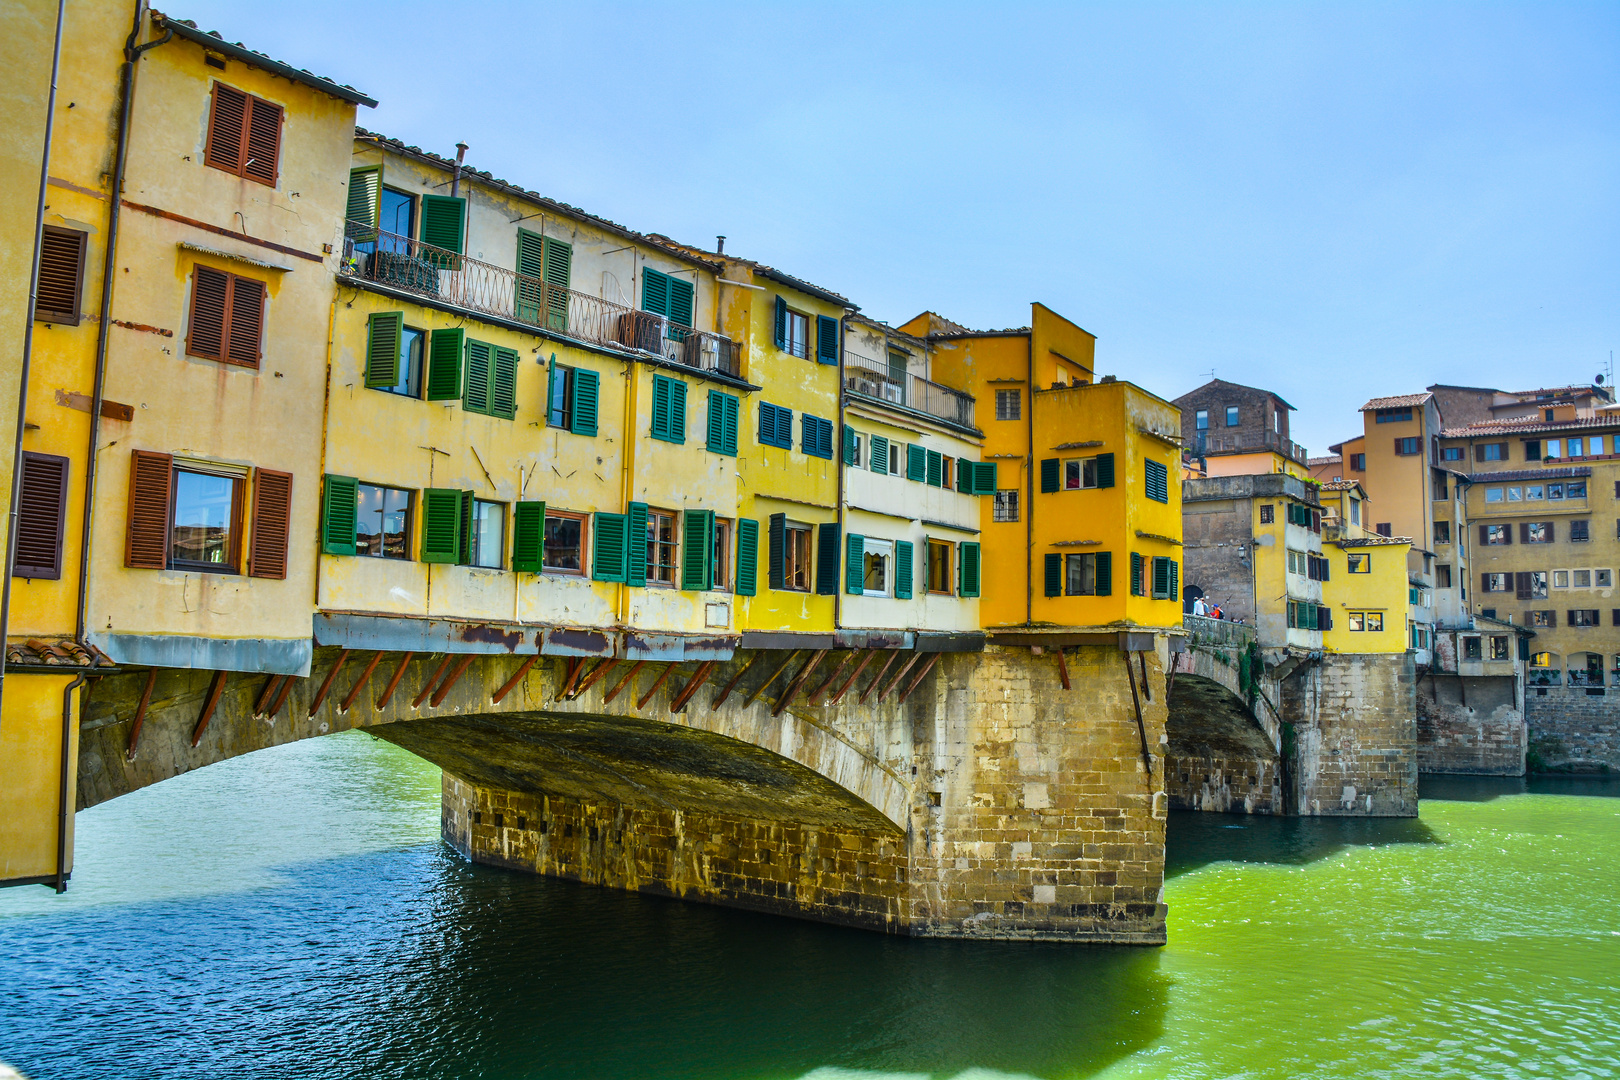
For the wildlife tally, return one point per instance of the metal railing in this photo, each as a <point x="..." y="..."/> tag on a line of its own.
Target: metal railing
<point x="876" y="380"/>
<point x="1205" y="442"/>
<point x="1202" y="630"/>
<point x="435" y="273"/>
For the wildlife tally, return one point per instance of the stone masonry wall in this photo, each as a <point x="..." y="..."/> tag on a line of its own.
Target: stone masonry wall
<point x="1572" y="731"/>
<point x="1240" y="785"/>
<point x="1470" y="724"/>
<point x="1354" y="747"/>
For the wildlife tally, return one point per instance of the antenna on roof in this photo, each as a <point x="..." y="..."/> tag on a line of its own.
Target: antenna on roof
<point x="1210" y="373"/>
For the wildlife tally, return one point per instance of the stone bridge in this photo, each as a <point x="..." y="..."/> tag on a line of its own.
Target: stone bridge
<point x="1013" y="792"/>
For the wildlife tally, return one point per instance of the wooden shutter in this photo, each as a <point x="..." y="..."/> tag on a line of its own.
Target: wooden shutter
<point x="654" y="292"/>
<point x="879" y="454"/>
<point x="364" y="211"/>
<point x="826" y="339"/>
<point x="677" y="411"/>
<point x="441" y="525"/>
<point x="475" y="395"/>
<point x="245" y="323"/>
<point x="849" y="445"/>
<point x="904" y="570"/>
<point x="1482" y="535"/>
<point x="1522" y="588"/>
<point x="680" y="301"/>
<point x="854" y="558"/>
<point x="1105" y="470"/>
<point x="61" y="274"/>
<point x="1155" y="480"/>
<point x="503" y="383"/>
<point x="383" y="333"/>
<point x="263" y="149"/>
<point x="968" y="561"/>
<point x="531" y="268"/>
<point x="697" y="550"/>
<point x="528" y="537"/>
<point x="1104" y="570"/>
<point x="935" y="468"/>
<point x="445" y="352"/>
<point x="1161" y="578"/>
<point x="722" y="435"/>
<point x="608" y="547"/>
<point x="1479" y="450"/>
<point x="778" y="553"/>
<point x="964" y="476"/>
<point x="1051" y="478"/>
<point x="784" y="428"/>
<point x="984" y="478"/>
<point x="747" y="556"/>
<point x="1175" y="579"/>
<point x="210" y="296"/>
<point x="151" y="478"/>
<point x="559" y="277"/>
<point x="1054" y="574"/>
<point x="272" y="516"/>
<point x="444" y="224"/>
<point x="767" y="423"/>
<point x="464" y="539"/>
<point x="41" y="517"/>
<point x="781" y="323"/>
<point x="1552" y="531"/>
<point x="635" y="551"/>
<point x="1524" y="532"/>
<point x="227" y="129"/>
<point x="827" y="558"/>
<point x="583" y="420"/>
<point x="339" y="511"/>
<point x="1136" y="573"/>
<point x="916" y="462"/>
<point x="730" y="406"/>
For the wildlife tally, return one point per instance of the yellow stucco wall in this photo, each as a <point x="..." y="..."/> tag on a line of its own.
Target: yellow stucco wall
<point x="1382" y="589"/>
<point x="31" y="755"/>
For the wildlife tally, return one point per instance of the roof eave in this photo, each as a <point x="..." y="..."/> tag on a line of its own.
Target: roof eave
<point x="248" y="56"/>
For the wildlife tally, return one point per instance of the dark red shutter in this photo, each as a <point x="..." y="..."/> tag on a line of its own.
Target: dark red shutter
<point x="206" y="334"/>
<point x="1483" y="534"/>
<point x="227" y="129"/>
<point x="272" y="511"/>
<point x="61" y="275"/>
<point x="41" y="517"/>
<point x="245" y="327"/>
<point x="263" y="141"/>
<point x="147" y="544"/>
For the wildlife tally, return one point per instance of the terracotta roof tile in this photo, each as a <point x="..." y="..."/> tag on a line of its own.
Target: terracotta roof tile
<point x="1400" y="401"/>
<point x="1519" y="425"/>
<point x="55" y="652"/>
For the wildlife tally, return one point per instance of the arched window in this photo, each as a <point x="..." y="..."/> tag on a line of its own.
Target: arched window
<point x="1546" y="669"/>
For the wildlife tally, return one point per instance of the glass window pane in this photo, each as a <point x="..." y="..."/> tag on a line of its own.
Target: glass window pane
<point x="488" y="530"/>
<point x="203" y="509"/>
<point x="562" y="543"/>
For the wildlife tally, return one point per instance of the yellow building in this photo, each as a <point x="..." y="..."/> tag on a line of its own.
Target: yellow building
<point x="1366" y="591"/>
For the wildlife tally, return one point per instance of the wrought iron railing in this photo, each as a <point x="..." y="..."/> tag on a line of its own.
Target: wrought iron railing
<point x="874" y="379"/>
<point x="1206" y="442"/>
<point x="435" y="273"/>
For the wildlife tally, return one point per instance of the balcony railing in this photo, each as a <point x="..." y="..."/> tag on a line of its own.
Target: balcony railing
<point x="1202" y="630"/>
<point x="1205" y="442"/>
<point x="403" y="263"/>
<point x="876" y="380"/>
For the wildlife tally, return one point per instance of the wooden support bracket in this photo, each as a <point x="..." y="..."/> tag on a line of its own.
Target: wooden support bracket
<point x="753" y="697"/>
<point x="623" y="681"/>
<point x="1147" y="691"/>
<point x="360" y="683"/>
<point x="847" y="683"/>
<point x="641" y="702"/>
<point x="281" y="696"/>
<point x="576" y="664"/>
<point x="450" y="680"/>
<point x="517" y="676"/>
<point x="1063" y="668"/>
<point x="933" y="658"/>
<point x="698" y="677"/>
<point x="838" y="669"/>
<point x="215" y="689"/>
<point x="140" y="714"/>
<point x="721" y="700"/>
<point x="1141" y="728"/>
<point x="393" y="682"/>
<point x="427" y="687"/>
<point x="798" y="680"/>
<point x="878" y="678"/>
<point x="271" y="685"/>
<point x="896" y="677"/>
<point x="326" y="685"/>
<point x="603" y="666"/>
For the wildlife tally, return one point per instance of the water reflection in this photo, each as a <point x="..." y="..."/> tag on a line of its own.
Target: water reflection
<point x="1486" y="788"/>
<point x="1194" y="839"/>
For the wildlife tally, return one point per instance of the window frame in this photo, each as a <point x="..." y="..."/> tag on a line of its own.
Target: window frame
<point x="876" y="547"/>
<point x="799" y="347"/>
<point x="1352" y="558"/>
<point x="797" y="563"/>
<point x="655" y="547"/>
<point x="233" y="563"/>
<point x="1009" y="404"/>
<point x="1001" y="499"/>
<point x="475" y="552"/>
<point x="1079" y="465"/>
<point x="584" y="523"/>
<point x="410" y="523"/>
<point x="1233" y="416"/>
<point x="940" y="567"/>
<point x="722" y="555"/>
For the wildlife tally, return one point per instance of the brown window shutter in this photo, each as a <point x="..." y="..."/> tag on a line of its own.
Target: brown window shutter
<point x="61" y="275"/>
<point x="1521" y="582"/>
<point x="245" y="327"/>
<point x="1479" y="453"/>
<point x="210" y="290"/>
<point x="1483" y="536"/>
<point x="227" y="129"/>
<point x="150" y="478"/>
<point x="272" y="511"/>
<point x="41" y="517"/>
<point x="1552" y="532"/>
<point x="263" y="141"/>
<point x="1524" y="532"/>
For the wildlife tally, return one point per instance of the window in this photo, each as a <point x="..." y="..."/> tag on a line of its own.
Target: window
<point x="1231" y="416"/>
<point x="394" y="354"/>
<point x="1576" y="448"/>
<point x="1165" y="574"/>
<point x="1393" y="416"/>
<point x="1009" y="404"/>
<point x="669" y="296"/>
<point x="720" y="557"/>
<point x="939" y="568"/>
<point x="1493" y="495"/>
<point x="792" y="331"/>
<point x="1560" y="579"/>
<point x="1201" y="420"/>
<point x="1536" y="532"/>
<point x="1296" y="562"/>
<point x="1006" y="505"/>
<point x="1602" y="579"/>
<point x="1451" y="453"/>
<point x="1580" y="579"/>
<point x="244" y="135"/>
<point x="1578" y="531"/>
<point x="1531" y="585"/>
<point x="41" y="517"/>
<point x="1382" y="528"/>
<point x="203" y="533"/>
<point x="660" y="542"/>
<point x="1375" y="621"/>
<point x="876" y="567"/>
<point x="1442" y="532"/>
<point x="571" y="398"/>
<point x="565" y="542"/>
<point x="1365" y="621"/>
<point x="1495" y="535"/>
<point x="1156" y="480"/>
<point x="776" y="426"/>
<point x="792" y="569"/>
<point x="487" y="534"/>
<point x="226" y="321"/>
<point x="1439" y="486"/>
<point x="1408" y="446"/>
<point x="1532" y="450"/>
<point x="1471" y="649"/>
<point x="1359" y="562"/>
<point x="1358" y="462"/>
<point x="1497" y="451"/>
<point x="1276" y="421"/>
<point x="1082" y="573"/>
<point x="382" y="522"/>
<point x="1355" y="511"/>
<point x="1555" y="448"/>
<point x="490" y="386"/>
<point x="944" y="470"/>
<point x="1495" y="582"/>
<point x="669" y="409"/>
<point x="817" y="436"/>
<point x="395" y="212"/>
<point x="723" y="412"/>
<point x="1583" y="617"/>
<point x="1539" y="618"/>
<point x="61" y="275"/>
<point x="1079" y="473"/>
<point x="1268" y="514"/>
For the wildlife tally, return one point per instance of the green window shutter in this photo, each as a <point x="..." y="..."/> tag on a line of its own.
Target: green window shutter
<point x="964" y="476"/>
<point x="767" y="423"/>
<point x="1105" y="470"/>
<point x="968" y="560"/>
<point x="680" y="302"/>
<point x="677" y="411"/>
<point x="784" y="428"/>
<point x="984" y="478"/>
<point x="528" y="537"/>
<point x="444" y="365"/>
<point x="879" y="454"/>
<point x="635" y="551"/>
<point x="583" y="422"/>
<point x="365" y="204"/>
<point x="1105" y="573"/>
<point x="383" y="333"/>
<point x="475" y="395"/>
<point x="854" y="571"/>
<point x="1175" y="580"/>
<point x="444" y="224"/>
<point x="531" y="265"/>
<point x="503" y="387"/>
<point x="936" y="468"/>
<point x="781" y="323"/>
<point x="608" y="547"/>
<point x="928" y="566"/>
<point x="1161" y="578"/>
<point x="1156" y="481"/>
<point x="1054" y="575"/>
<point x="697" y="549"/>
<point x="1136" y="573"/>
<point x="464" y="541"/>
<point x="339" y="508"/>
<point x="778" y="552"/>
<point x="441" y="525"/>
<point x="826" y="339"/>
<point x="654" y="292"/>
<point x="916" y="462"/>
<point x="730" y="407"/>
<point x="849" y="445"/>
<point x="904" y="572"/>
<point x="660" y="408"/>
<point x="559" y="275"/>
<point x="827" y="558"/>
<point x="1049" y="474"/>
<point x="747" y="556"/>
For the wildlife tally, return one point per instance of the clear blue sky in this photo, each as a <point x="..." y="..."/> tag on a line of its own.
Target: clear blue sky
<point x="1330" y="201"/>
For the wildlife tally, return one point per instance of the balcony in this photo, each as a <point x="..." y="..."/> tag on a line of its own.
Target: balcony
<point x="873" y="379"/>
<point x="1205" y="442"/>
<point x="411" y="266"/>
<point x="1202" y="630"/>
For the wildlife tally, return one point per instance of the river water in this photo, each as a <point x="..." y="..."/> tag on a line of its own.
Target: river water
<point x="293" y="914"/>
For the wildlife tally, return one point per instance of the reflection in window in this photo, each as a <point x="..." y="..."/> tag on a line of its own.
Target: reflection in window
<point x="410" y="364"/>
<point x="488" y="533"/>
<point x="564" y="542"/>
<point x="660" y="548"/>
<point x="382" y="522"/>
<point x="399" y="218"/>
<point x="205" y="511"/>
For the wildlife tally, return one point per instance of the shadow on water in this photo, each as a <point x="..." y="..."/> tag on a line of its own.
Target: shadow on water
<point x="415" y="964"/>
<point x="1486" y="788"/>
<point x="1194" y="839"/>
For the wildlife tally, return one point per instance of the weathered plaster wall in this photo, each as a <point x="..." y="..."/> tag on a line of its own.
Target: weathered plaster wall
<point x="1573" y="731"/>
<point x="1470" y="725"/>
<point x="1354" y="747"/>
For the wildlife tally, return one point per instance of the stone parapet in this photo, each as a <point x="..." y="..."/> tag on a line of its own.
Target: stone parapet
<point x="1571" y="730"/>
<point x="1353" y="749"/>
<point x="1470" y="724"/>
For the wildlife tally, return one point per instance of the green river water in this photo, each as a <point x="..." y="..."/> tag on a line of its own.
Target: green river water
<point x="293" y="914"/>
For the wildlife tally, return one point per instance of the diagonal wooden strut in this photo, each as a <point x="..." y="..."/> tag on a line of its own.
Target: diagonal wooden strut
<point x="838" y="669"/>
<point x="751" y="698"/>
<point x="620" y="685"/>
<point x="603" y="666"/>
<point x="894" y="679"/>
<point x="427" y="687"/>
<point x="1063" y="669"/>
<point x="860" y="667"/>
<point x="656" y="684"/>
<point x="360" y="683"/>
<point x="692" y="685"/>
<point x="798" y="681"/>
<point x="933" y="658"/>
<point x="393" y="682"/>
<point x="450" y="679"/>
<point x="215" y="689"/>
<point x="878" y="678"/>
<point x="281" y="696"/>
<point x="721" y="700"/>
<point x="576" y="664"/>
<point x="271" y="685"/>
<point x="517" y="676"/>
<point x="320" y="695"/>
<point x="140" y="713"/>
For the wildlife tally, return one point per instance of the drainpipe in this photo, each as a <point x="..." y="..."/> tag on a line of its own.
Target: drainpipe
<point x="843" y="533"/>
<point x="63" y="811"/>
<point x="1029" y="484"/>
<point x="132" y="53"/>
<point x="455" y="177"/>
<point x="27" y="347"/>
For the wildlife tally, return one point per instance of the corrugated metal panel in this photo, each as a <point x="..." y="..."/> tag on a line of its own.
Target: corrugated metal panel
<point x="275" y="656"/>
<point x="676" y="647"/>
<point x="388" y="634"/>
